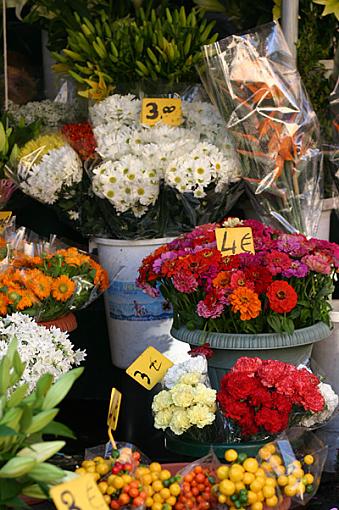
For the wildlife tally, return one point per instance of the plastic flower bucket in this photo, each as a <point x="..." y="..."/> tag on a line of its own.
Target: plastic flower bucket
<point x="134" y="319"/>
<point x="228" y="347"/>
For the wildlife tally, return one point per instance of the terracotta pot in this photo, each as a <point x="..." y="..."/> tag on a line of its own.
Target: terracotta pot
<point x="66" y="323"/>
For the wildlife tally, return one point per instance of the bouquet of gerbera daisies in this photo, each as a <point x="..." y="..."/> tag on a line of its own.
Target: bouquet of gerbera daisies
<point x="285" y="285"/>
<point x="47" y="287"/>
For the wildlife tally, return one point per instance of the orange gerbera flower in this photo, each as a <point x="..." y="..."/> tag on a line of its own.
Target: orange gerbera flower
<point x="27" y="299"/>
<point x="222" y="280"/>
<point x="62" y="288"/>
<point x="27" y="261"/>
<point x="245" y="301"/>
<point x="38" y="283"/>
<point x="3" y="304"/>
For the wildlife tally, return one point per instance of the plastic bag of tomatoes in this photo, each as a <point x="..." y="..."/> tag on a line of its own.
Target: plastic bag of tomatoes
<point x="197" y="482"/>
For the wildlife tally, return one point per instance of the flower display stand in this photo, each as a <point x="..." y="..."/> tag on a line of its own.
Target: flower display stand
<point x="134" y="319"/>
<point x="228" y="347"/>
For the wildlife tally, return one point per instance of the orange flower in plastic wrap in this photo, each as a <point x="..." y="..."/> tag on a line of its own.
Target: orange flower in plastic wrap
<point x="73" y="257"/>
<point x="26" y="261"/>
<point x="245" y="301"/>
<point x="62" y="288"/>
<point x="101" y="276"/>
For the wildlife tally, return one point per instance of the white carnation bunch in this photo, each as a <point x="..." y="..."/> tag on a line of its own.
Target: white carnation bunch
<point x="43" y="350"/>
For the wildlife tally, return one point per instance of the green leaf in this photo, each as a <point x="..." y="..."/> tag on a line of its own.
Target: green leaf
<point x="331" y="7"/>
<point x="7" y="431"/>
<point x="58" y="429"/>
<point x="41" y="420"/>
<point x="275" y="322"/>
<point x="17" y="396"/>
<point x="9" y="489"/>
<point x="3" y="139"/>
<point x="41" y="451"/>
<point x="60" y="388"/>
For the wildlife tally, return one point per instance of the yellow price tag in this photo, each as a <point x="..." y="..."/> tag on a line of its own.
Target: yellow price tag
<point x="149" y="368"/>
<point x="82" y="493"/>
<point x="161" y="109"/>
<point x="114" y="409"/>
<point x="232" y="241"/>
<point x="5" y="216"/>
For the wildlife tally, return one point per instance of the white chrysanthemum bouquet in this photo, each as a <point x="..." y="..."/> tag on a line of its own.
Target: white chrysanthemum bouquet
<point x="48" y="168"/>
<point x="43" y="350"/>
<point x="161" y="180"/>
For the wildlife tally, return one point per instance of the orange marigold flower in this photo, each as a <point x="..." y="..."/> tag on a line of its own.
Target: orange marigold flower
<point x="27" y="299"/>
<point x="245" y="301"/>
<point x="222" y="280"/>
<point x="62" y="288"/>
<point x="3" y="304"/>
<point x="101" y="278"/>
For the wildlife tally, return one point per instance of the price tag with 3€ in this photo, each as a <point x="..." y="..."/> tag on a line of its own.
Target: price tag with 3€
<point x="81" y="493"/>
<point x="232" y="241"/>
<point x="150" y="368"/>
<point x="161" y="109"/>
<point x="114" y="409"/>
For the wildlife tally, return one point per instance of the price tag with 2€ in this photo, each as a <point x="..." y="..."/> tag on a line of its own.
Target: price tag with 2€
<point x="81" y="493"/>
<point x="161" y="109"/>
<point x="150" y="368"/>
<point x="232" y="241"/>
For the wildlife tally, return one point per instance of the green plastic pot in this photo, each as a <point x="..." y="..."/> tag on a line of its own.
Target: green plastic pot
<point x="187" y="447"/>
<point x="293" y="348"/>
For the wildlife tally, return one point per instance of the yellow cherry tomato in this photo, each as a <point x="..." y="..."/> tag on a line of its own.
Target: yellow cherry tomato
<point x="102" y="468"/>
<point x="231" y="455"/>
<point x="103" y="486"/>
<point x="126" y="478"/>
<point x="270" y="482"/>
<point x="251" y="497"/>
<point x="248" y="478"/>
<point x="290" y="491"/>
<point x="276" y="460"/>
<point x="264" y="453"/>
<point x="268" y="491"/>
<point x="147" y="479"/>
<point x="155" y="467"/>
<point x="165" y="474"/>
<point x="222" y="472"/>
<point x="156" y="506"/>
<point x="239" y="486"/>
<point x="257" y="506"/>
<point x="256" y="485"/>
<point x="298" y="473"/>
<point x="282" y="480"/>
<point x="88" y="463"/>
<point x="260" y="472"/>
<point x="271" y="447"/>
<point x="118" y="482"/>
<point x="308" y="479"/>
<point x="157" y="498"/>
<point x="266" y="466"/>
<point x="292" y="480"/>
<point x="227" y="487"/>
<point x="110" y="490"/>
<point x="157" y="486"/>
<point x="175" y="489"/>
<point x="222" y="499"/>
<point x="235" y="474"/>
<point x="149" y="502"/>
<point x="91" y="469"/>
<point x="171" y="500"/>
<point x="155" y="476"/>
<point x="251" y="465"/>
<point x="309" y="459"/>
<point x="272" y="502"/>
<point x="81" y="471"/>
<point x="300" y="488"/>
<point x="280" y="470"/>
<point x="260" y="496"/>
<point x="165" y="493"/>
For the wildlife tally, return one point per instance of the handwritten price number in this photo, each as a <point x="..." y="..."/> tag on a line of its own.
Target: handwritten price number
<point x="149" y="368"/>
<point x="82" y="493"/>
<point x="232" y="241"/>
<point x="161" y="109"/>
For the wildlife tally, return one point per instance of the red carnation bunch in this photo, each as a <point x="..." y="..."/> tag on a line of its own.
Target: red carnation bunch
<point x="81" y="138"/>
<point x="262" y="396"/>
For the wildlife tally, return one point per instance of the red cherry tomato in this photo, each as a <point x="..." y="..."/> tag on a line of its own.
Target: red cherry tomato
<point x="198" y="469"/>
<point x="114" y="504"/>
<point x="138" y="502"/>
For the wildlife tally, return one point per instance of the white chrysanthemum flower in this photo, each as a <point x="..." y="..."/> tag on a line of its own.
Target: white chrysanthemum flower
<point x="331" y="404"/>
<point x="43" y="350"/>
<point x="73" y="215"/>
<point x="198" y="364"/>
<point x="45" y="180"/>
<point x="116" y="108"/>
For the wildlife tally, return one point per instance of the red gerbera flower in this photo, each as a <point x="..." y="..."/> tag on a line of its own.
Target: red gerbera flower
<point x="281" y="296"/>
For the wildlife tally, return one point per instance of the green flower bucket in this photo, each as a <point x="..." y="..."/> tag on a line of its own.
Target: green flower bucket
<point x="293" y="348"/>
<point x="190" y="448"/>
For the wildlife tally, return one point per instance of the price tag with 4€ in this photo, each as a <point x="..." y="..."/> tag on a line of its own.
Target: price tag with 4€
<point x="232" y="241"/>
<point x="81" y="493"/>
<point x="150" y="368"/>
<point x="5" y="216"/>
<point x="161" y="109"/>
